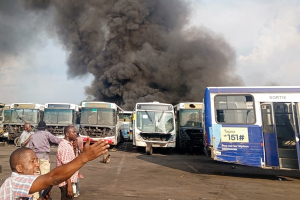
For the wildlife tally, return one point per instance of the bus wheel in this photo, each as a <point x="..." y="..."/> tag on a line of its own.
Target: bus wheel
<point x="149" y="149"/>
<point x="16" y="141"/>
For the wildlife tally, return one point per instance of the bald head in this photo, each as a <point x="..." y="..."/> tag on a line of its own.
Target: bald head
<point x="68" y="128"/>
<point x="27" y="127"/>
<point x="17" y="157"/>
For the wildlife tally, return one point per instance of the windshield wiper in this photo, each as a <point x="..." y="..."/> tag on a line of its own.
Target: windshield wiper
<point x="161" y="116"/>
<point x="148" y="116"/>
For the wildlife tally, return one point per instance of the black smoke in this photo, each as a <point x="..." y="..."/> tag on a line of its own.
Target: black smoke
<point x="21" y="30"/>
<point x="140" y="50"/>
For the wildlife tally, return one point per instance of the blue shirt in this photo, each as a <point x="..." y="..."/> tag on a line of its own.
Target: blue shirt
<point x="40" y="143"/>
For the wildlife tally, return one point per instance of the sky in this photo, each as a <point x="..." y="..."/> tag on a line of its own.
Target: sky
<point x="265" y="35"/>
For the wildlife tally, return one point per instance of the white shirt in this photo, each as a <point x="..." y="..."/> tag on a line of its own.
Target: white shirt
<point x="24" y="136"/>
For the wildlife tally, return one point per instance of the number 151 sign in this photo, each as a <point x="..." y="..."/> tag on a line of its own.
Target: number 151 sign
<point x="234" y="134"/>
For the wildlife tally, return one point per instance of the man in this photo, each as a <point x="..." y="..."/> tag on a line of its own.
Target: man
<point x="26" y="135"/>
<point x="40" y="144"/>
<point x="23" y="162"/>
<point x="65" y="154"/>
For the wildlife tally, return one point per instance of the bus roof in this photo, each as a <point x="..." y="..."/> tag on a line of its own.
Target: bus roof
<point x="127" y="112"/>
<point x="99" y="104"/>
<point x="255" y="89"/>
<point x="61" y="106"/>
<point x="189" y="105"/>
<point x="27" y="106"/>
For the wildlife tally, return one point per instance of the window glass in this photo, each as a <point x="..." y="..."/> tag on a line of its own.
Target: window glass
<point x="234" y="109"/>
<point x="191" y="118"/>
<point x="159" y="122"/>
<point x="99" y="116"/>
<point x="7" y="116"/>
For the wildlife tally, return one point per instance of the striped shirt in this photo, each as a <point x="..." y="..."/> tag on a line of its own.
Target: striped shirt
<point x="65" y="154"/>
<point x="17" y="187"/>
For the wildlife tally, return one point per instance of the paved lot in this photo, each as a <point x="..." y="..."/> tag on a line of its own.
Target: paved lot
<point x="134" y="175"/>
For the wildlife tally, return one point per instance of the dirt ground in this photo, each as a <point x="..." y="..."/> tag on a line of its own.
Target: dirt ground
<point x="135" y="175"/>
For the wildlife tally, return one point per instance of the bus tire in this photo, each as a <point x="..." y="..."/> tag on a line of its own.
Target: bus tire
<point x="16" y="141"/>
<point x="149" y="149"/>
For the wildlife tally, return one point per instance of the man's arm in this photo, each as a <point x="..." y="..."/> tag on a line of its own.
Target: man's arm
<point x="26" y="141"/>
<point x="53" y="138"/>
<point x="64" y="172"/>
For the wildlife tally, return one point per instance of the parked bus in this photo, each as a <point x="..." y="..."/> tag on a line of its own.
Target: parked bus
<point x="2" y="105"/>
<point x="18" y="115"/>
<point x="59" y="115"/>
<point x="154" y="126"/>
<point x="254" y="126"/>
<point x="189" y="129"/>
<point x="125" y="118"/>
<point x="99" y="120"/>
<point x="6" y="118"/>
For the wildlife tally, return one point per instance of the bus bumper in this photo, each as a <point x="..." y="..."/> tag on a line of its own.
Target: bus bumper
<point x="140" y="143"/>
<point x="110" y="140"/>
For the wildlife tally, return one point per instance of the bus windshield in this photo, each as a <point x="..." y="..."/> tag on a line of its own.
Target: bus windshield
<point x="125" y="117"/>
<point x="58" y="116"/>
<point x="7" y="116"/>
<point x="24" y="115"/>
<point x="159" y="121"/>
<point x="98" y="116"/>
<point x="190" y="118"/>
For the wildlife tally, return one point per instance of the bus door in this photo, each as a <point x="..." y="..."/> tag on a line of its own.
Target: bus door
<point x="296" y="112"/>
<point x="269" y="135"/>
<point x="281" y="134"/>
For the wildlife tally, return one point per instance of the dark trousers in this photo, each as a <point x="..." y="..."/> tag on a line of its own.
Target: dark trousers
<point x="64" y="192"/>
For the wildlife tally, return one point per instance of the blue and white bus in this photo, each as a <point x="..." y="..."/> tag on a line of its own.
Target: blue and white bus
<point x="254" y="126"/>
<point x="125" y="118"/>
<point x="154" y="126"/>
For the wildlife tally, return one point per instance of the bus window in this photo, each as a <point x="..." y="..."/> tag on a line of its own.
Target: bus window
<point x="234" y="109"/>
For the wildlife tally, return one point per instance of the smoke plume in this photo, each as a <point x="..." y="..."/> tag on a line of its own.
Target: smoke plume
<point x="140" y="50"/>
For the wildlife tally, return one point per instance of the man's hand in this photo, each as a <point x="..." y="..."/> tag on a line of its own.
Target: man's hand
<point x="90" y="152"/>
<point x="70" y="192"/>
<point x="46" y="198"/>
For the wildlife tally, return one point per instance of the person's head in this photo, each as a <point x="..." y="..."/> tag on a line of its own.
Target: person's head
<point x="24" y="161"/>
<point x="27" y="127"/>
<point x="41" y="126"/>
<point x="70" y="133"/>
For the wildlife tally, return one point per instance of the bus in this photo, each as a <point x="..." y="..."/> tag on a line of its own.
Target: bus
<point x="99" y="120"/>
<point x="19" y="114"/>
<point x="6" y="113"/>
<point x="189" y="129"/>
<point x="253" y="126"/>
<point x="126" y="128"/>
<point x="59" y="115"/>
<point x="154" y="126"/>
<point x="2" y="105"/>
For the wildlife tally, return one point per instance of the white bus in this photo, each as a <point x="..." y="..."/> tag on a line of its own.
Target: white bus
<point x="154" y="126"/>
<point x="2" y="106"/>
<point x="254" y="126"/>
<point x="19" y="114"/>
<point x="125" y="118"/>
<point x="59" y="115"/>
<point x="189" y="127"/>
<point x="99" y="120"/>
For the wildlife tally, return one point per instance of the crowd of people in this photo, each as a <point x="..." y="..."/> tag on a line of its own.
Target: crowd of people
<point x="31" y="177"/>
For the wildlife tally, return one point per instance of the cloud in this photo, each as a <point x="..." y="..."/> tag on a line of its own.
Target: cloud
<point x="265" y="35"/>
<point x="276" y="50"/>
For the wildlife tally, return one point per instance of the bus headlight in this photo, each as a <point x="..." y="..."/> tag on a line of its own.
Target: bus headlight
<point x="172" y="138"/>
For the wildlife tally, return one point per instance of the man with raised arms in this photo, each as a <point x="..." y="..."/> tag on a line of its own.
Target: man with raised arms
<point x="24" y="165"/>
